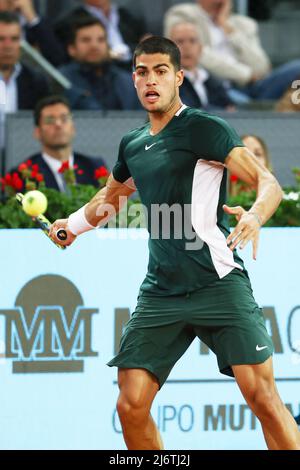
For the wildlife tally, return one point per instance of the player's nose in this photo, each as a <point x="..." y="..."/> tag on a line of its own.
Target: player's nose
<point x="151" y="79"/>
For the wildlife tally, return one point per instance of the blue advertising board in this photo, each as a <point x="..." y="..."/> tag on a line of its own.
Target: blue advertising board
<point x="61" y="317"/>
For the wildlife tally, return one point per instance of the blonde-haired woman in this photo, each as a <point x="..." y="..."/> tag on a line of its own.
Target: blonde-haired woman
<point x="259" y="148"/>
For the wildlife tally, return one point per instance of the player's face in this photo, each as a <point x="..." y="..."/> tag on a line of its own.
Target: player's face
<point x="185" y="36"/>
<point x="10" y="36"/>
<point x="56" y="128"/>
<point x="90" y="46"/>
<point x="156" y="81"/>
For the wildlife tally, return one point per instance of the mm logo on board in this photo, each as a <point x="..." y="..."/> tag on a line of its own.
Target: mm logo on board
<point x="49" y="329"/>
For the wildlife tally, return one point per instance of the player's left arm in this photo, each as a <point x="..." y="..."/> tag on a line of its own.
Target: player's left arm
<point x="242" y="163"/>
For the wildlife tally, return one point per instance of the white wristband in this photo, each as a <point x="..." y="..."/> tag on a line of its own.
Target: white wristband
<point x="77" y="223"/>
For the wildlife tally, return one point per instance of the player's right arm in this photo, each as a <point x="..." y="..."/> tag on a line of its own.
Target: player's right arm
<point x="104" y="205"/>
<point x="108" y="201"/>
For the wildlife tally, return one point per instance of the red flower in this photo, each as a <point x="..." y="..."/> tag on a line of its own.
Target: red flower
<point x="65" y="166"/>
<point x="39" y="177"/>
<point x="29" y="163"/>
<point x="14" y="181"/>
<point x="33" y="174"/>
<point x="22" y="167"/>
<point x="234" y="179"/>
<point x="101" y="172"/>
<point x="18" y="184"/>
<point x="35" y="168"/>
<point x="75" y="167"/>
<point x="80" y="172"/>
<point x="8" y="179"/>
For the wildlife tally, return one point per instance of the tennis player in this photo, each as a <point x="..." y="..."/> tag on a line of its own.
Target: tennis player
<point x="194" y="287"/>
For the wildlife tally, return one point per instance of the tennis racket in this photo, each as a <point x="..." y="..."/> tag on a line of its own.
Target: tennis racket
<point x="45" y="225"/>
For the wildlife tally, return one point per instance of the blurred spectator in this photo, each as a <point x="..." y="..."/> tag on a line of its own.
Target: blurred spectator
<point x="259" y="148"/>
<point x="199" y="88"/>
<point x="290" y="102"/>
<point x="97" y="82"/>
<point x="55" y="130"/>
<point x="37" y="30"/>
<point x="233" y="50"/>
<point x="124" y="31"/>
<point x="24" y="87"/>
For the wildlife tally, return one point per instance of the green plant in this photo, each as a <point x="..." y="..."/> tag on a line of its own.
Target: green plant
<point x="60" y="205"/>
<point x="287" y="214"/>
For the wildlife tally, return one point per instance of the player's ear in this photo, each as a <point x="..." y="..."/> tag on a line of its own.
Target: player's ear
<point x="133" y="78"/>
<point x="179" y="77"/>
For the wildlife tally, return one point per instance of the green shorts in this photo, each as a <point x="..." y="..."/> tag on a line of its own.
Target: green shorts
<point x="224" y="315"/>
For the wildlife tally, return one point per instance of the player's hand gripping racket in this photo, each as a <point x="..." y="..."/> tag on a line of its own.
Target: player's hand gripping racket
<point x="45" y="225"/>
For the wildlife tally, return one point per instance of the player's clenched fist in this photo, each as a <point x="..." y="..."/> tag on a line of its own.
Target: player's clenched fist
<point x="59" y="226"/>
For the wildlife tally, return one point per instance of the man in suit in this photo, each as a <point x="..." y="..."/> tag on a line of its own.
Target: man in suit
<point x="124" y="31"/>
<point x="37" y="30"/>
<point x="24" y="86"/>
<point x="55" y="130"/>
<point x="98" y="83"/>
<point x="200" y="89"/>
<point x="232" y="49"/>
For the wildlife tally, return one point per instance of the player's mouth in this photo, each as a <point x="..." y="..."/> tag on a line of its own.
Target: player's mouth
<point x="152" y="96"/>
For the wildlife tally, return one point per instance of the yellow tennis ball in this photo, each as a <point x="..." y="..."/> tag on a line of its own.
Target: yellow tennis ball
<point x="34" y="203"/>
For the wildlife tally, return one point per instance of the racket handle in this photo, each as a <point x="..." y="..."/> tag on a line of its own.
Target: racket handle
<point x="61" y="234"/>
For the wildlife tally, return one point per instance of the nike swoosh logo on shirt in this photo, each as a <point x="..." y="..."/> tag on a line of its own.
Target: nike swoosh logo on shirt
<point x="149" y="147"/>
<point x="260" y="348"/>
